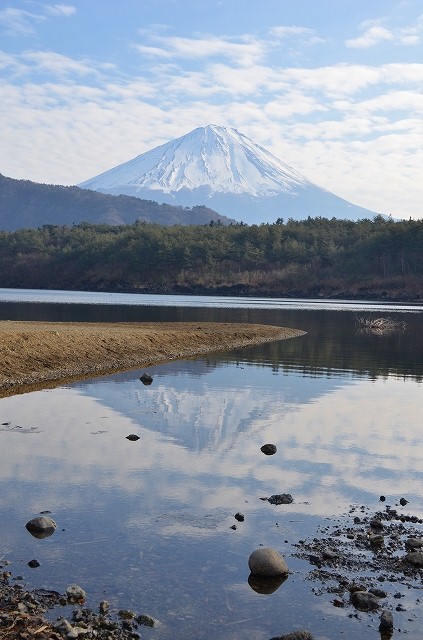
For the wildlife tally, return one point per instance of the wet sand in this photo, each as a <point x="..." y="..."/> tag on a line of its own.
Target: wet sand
<point x="44" y="354"/>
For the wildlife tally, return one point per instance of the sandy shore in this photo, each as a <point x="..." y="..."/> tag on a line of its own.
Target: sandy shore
<point x="40" y="354"/>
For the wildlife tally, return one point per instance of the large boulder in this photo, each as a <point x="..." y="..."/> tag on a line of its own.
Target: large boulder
<point x="415" y="559"/>
<point x="267" y="562"/>
<point x="41" y="526"/>
<point x="364" y="600"/>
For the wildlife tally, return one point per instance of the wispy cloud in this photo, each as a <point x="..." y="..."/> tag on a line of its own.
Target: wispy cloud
<point x="306" y="35"/>
<point x="19" y="22"/>
<point x="57" y="64"/>
<point x="374" y="33"/>
<point x="244" y="50"/>
<point x="60" y="10"/>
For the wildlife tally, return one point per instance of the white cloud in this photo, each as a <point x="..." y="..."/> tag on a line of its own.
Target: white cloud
<point x="370" y="37"/>
<point x="373" y="33"/>
<point x="286" y="32"/>
<point x="61" y="10"/>
<point x="245" y="50"/>
<point x="18" y="21"/>
<point x="57" y="64"/>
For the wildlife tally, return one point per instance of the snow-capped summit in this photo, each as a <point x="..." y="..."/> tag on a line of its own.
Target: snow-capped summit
<point x="220" y="167"/>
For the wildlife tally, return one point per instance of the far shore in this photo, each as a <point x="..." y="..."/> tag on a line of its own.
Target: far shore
<point x="36" y="355"/>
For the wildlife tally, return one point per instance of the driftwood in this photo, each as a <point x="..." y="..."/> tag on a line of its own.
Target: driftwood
<point x="380" y="326"/>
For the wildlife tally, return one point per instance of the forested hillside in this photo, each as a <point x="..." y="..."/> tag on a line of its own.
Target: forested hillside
<point x="316" y="257"/>
<point x="26" y="204"/>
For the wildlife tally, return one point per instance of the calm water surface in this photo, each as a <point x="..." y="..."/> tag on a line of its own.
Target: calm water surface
<point x="147" y="524"/>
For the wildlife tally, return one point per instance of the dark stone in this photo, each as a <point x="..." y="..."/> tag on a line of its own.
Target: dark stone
<point x="146" y="379"/>
<point x="386" y="622"/>
<point x="282" y="498"/>
<point x="382" y="498"/>
<point x="296" y="635"/>
<point x="375" y="523"/>
<point x="133" y="437"/>
<point x="403" y="502"/>
<point x="233" y="527"/>
<point x="364" y="600"/>
<point x="328" y="554"/>
<point x="104" y="607"/>
<point x="239" y="517"/>
<point x="415" y="559"/>
<point x="264" y="585"/>
<point x="267" y="562"/>
<point x="147" y="621"/>
<point x="414" y="543"/>
<point x="33" y="564"/>
<point x="41" y="527"/>
<point x="75" y="593"/>
<point x="268" y="449"/>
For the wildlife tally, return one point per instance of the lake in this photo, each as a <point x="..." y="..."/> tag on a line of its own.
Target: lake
<point x="147" y="525"/>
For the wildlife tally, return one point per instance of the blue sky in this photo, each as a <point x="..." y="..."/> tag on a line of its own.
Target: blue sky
<point x="334" y="88"/>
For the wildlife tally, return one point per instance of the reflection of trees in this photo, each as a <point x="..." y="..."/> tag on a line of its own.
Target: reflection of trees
<point x="333" y="346"/>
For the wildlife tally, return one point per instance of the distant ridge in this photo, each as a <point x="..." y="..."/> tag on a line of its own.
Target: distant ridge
<point x="26" y="204"/>
<point x="224" y="169"/>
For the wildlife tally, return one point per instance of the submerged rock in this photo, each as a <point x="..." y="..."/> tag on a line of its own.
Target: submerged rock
<point x="267" y="562"/>
<point x="133" y="437"/>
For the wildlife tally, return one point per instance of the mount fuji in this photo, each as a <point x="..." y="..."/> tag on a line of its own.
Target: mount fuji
<point x="221" y="168"/>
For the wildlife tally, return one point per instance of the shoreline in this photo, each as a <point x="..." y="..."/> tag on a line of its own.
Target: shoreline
<point x="37" y="355"/>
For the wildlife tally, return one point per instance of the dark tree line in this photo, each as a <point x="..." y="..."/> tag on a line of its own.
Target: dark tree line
<point x="314" y="257"/>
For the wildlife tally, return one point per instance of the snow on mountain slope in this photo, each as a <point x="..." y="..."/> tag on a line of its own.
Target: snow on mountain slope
<point x="217" y="157"/>
<point x="222" y="168"/>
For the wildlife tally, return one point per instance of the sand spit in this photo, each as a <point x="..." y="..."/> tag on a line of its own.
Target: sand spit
<point x="44" y="354"/>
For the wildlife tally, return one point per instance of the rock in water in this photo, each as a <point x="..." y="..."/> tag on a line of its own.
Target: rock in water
<point x="146" y="379"/>
<point x="364" y="601"/>
<point x="415" y="558"/>
<point x="41" y="526"/>
<point x="268" y="449"/>
<point x="386" y="622"/>
<point x="75" y="593"/>
<point x="414" y="543"/>
<point x="280" y="498"/>
<point x="296" y="635"/>
<point x="267" y="562"/>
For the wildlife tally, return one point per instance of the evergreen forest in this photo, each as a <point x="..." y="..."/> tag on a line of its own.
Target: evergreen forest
<point x="316" y="257"/>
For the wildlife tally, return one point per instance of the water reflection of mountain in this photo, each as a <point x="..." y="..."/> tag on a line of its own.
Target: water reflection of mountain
<point x="207" y="406"/>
